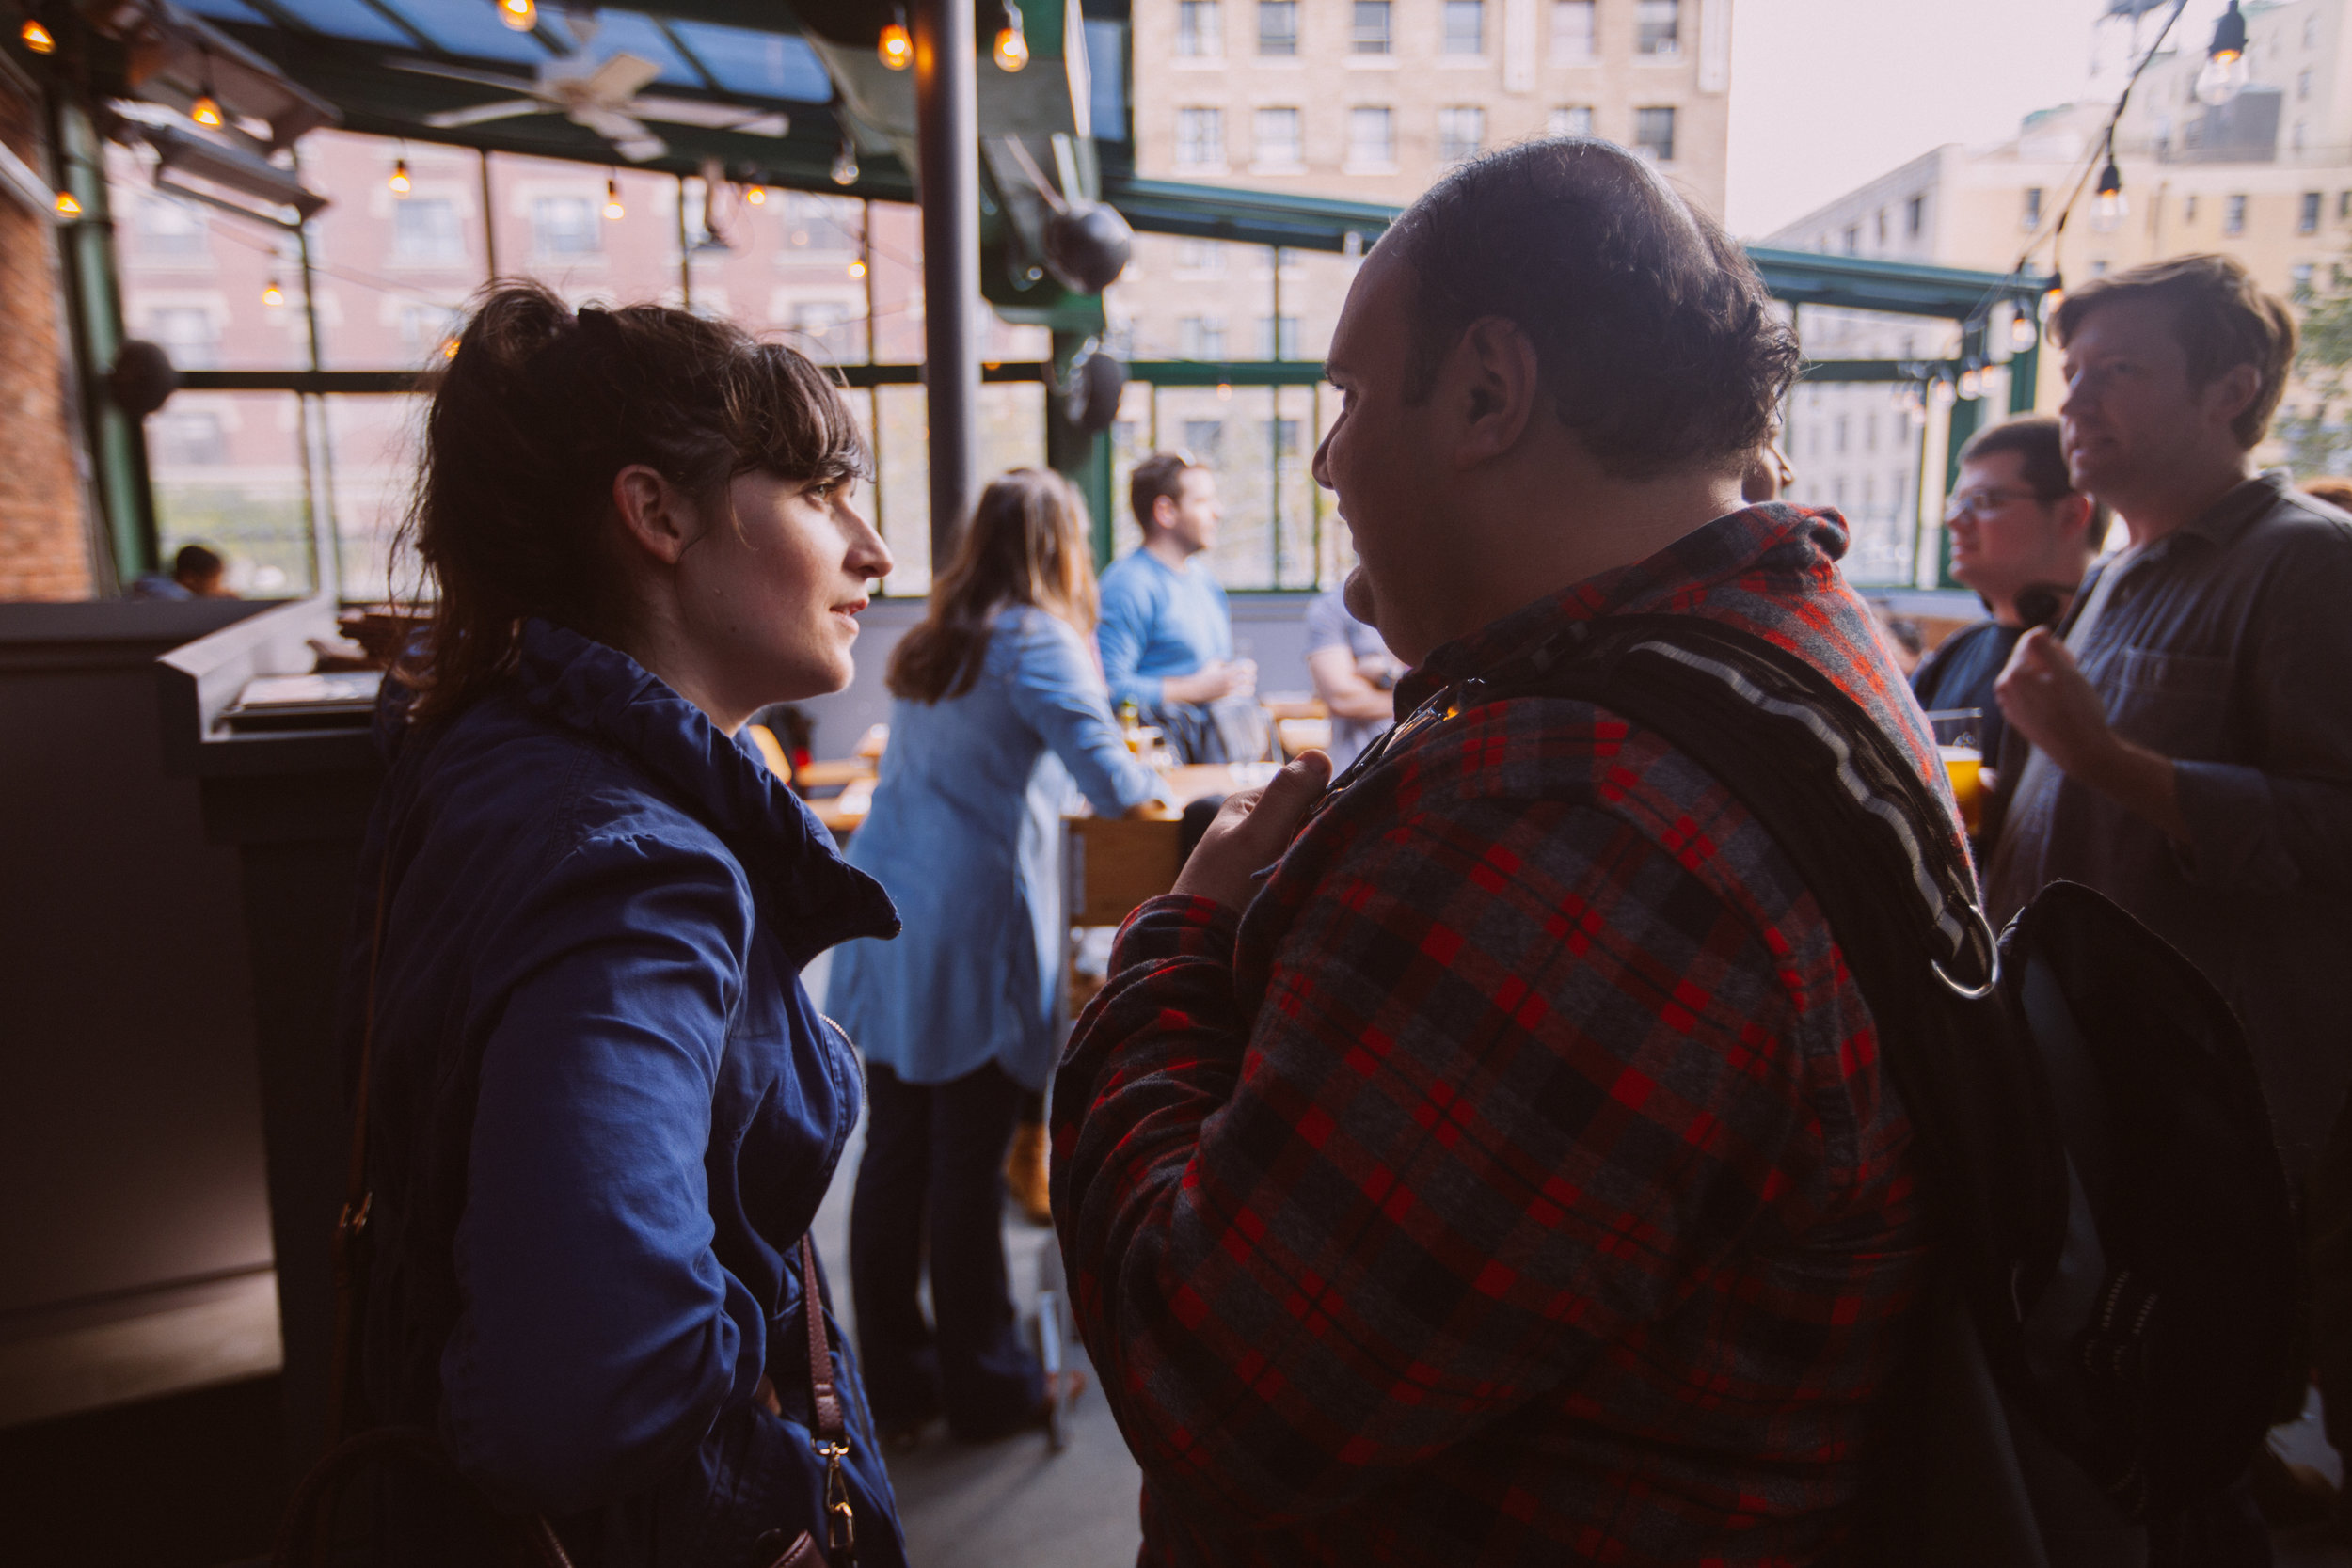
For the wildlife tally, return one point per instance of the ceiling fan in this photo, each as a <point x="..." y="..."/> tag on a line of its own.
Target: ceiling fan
<point x="603" y="96"/>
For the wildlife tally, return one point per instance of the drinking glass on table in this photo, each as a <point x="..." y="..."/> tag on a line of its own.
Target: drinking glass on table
<point x="1957" y="731"/>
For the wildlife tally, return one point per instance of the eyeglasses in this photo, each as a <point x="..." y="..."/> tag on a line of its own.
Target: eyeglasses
<point x="1984" y="502"/>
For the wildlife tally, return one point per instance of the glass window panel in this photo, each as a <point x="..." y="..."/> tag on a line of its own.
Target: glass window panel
<point x="194" y="281"/>
<point x="1371" y="137"/>
<point x="760" y="65"/>
<point x="1575" y="119"/>
<point x="1572" y="32"/>
<point x="1654" y="134"/>
<point x="553" y="224"/>
<point x="1461" y="133"/>
<point x="1657" y="27"/>
<point x="1464" y="27"/>
<point x="1372" y="27"/>
<point x="1279" y="141"/>
<point x="394" y="273"/>
<point x="1277" y="26"/>
<point x="1200" y="28"/>
<point x="1200" y="139"/>
<point x="372" y="447"/>
<point x="228" y="473"/>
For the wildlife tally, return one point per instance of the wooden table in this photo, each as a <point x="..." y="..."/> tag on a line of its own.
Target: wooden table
<point x="1112" y="864"/>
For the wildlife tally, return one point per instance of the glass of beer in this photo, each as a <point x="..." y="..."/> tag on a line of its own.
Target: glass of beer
<point x="1955" y="736"/>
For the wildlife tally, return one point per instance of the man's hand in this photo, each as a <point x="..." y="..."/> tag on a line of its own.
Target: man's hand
<point x="2050" y="702"/>
<point x="1211" y="682"/>
<point x="1250" y="832"/>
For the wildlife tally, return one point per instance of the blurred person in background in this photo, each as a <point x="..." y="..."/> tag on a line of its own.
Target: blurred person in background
<point x="1353" y="674"/>
<point x="601" y="1110"/>
<point x="197" y="573"/>
<point x="1166" y="637"/>
<point x="1000" y="706"/>
<point x="2017" y="524"/>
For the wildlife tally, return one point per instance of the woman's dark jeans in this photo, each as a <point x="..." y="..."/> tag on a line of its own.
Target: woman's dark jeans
<point x="936" y="1152"/>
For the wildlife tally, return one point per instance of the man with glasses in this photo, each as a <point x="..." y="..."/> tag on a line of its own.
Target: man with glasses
<point x="2018" y="524"/>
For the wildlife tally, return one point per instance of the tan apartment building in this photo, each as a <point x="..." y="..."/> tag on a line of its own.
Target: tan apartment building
<point x="2266" y="178"/>
<point x="1370" y="100"/>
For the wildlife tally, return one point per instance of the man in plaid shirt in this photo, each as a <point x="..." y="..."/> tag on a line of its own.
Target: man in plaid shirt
<point x="1508" y="1175"/>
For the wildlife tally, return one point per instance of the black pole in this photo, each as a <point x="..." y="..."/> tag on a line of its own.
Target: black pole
<point x="947" y="144"/>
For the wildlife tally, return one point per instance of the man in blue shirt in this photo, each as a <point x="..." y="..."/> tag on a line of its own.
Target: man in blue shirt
<point x="1166" y="638"/>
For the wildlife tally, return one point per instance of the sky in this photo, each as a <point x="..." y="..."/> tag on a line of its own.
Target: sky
<point x="1827" y="94"/>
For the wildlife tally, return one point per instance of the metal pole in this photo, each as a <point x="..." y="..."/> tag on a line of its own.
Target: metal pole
<point x="326" y="555"/>
<point x="489" y="223"/>
<point x="946" y="141"/>
<point x="685" y="252"/>
<point x="1274" y="427"/>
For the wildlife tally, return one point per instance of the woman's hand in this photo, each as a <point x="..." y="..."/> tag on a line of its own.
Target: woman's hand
<point x="1251" y="831"/>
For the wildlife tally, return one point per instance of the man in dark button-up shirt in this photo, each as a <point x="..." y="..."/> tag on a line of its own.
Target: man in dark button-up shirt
<point x="2192" y="725"/>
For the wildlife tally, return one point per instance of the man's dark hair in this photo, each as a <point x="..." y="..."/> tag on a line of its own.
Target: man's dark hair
<point x="2041" y="460"/>
<point x="2221" y="318"/>
<point x="1654" y="337"/>
<point x="195" y="560"/>
<point x="1160" y="474"/>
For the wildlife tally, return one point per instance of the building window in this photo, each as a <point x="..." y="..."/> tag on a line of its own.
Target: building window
<point x="1461" y="133"/>
<point x="1853" y="239"/>
<point x="1199" y="338"/>
<point x="183" y="439"/>
<point x="171" y="229"/>
<point x="426" y="326"/>
<point x="1199" y="29"/>
<point x="1657" y="27"/>
<point x="820" y="225"/>
<point x="2030" y="217"/>
<point x="1572" y="32"/>
<point x="2307" y="220"/>
<point x="2296" y="140"/>
<point x="1576" y="119"/>
<point x="2188" y="210"/>
<point x="1881" y="231"/>
<point x="425" y="229"/>
<point x="2311" y="31"/>
<point x="1206" y="256"/>
<point x="187" y="333"/>
<point x="2300" y="274"/>
<point x="565" y="226"/>
<point x="2344" y="205"/>
<point x="1370" y="35"/>
<point x="1268" y="348"/>
<point x="1372" y="138"/>
<point x="1279" y="144"/>
<point x="1277" y="26"/>
<point x="1915" y="217"/>
<point x="2302" y="86"/>
<point x="1654" y="134"/>
<point x="1200" y="139"/>
<point x="1465" y="27"/>
<point x="2233" y="215"/>
<point x="1282" y="435"/>
<point x="1202" y="438"/>
<point x="823" y="328"/>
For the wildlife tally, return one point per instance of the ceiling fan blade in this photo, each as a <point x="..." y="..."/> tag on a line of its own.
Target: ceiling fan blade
<point x="507" y="108"/>
<point x="618" y="79"/>
<point x="629" y="138"/>
<point x="739" y="118"/>
<point x="466" y="73"/>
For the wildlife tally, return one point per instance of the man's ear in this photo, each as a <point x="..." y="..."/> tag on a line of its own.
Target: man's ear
<point x="1497" y="386"/>
<point x="655" y="517"/>
<point x="2074" y="513"/>
<point x="2233" y="391"/>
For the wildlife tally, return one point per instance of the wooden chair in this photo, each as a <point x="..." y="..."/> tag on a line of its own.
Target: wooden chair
<point x="1112" y="864"/>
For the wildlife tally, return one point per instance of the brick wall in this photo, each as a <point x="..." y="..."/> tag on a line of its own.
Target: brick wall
<point x="44" y="550"/>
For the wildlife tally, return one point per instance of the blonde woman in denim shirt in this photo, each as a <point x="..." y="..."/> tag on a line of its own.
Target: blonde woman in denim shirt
<point x="1001" y="708"/>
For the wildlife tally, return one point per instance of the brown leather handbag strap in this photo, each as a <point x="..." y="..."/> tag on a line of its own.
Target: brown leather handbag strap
<point x="829" y="1426"/>
<point x="351" y="1222"/>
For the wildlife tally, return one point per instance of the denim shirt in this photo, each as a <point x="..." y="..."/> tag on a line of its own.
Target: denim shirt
<point x="2224" y="647"/>
<point x="603" y="1114"/>
<point x="965" y="832"/>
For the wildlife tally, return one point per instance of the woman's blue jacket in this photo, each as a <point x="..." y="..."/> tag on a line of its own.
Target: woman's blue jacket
<point x="603" y="1113"/>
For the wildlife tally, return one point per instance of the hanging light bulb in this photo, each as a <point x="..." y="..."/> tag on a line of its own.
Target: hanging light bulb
<point x="272" y="296"/>
<point x="521" y="15"/>
<point x="67" y="206"/>
<point x="37" y="38"/>
<point x="1012" y="44"/>
<point x="1225" y="391"/>
<point x="2108" y="207"/>
<point x="401" y="185"/>
<point x="1941" y="393"/>
<point x="857" y="269"/>
<point x="448" y="348"/>
<point x="845" y="163"/>
<point x="756" y="195"/>
<point x="896" y="47"/>
<point x="613" y="208"/>
<point x="2225" y="71"/>
<point x="2021" y="331"/>
<point x="1971" y="385"/>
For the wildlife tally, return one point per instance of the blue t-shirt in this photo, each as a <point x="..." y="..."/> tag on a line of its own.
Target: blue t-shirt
<point x="1329" y="626"/>
<point x="1159" y="622"/>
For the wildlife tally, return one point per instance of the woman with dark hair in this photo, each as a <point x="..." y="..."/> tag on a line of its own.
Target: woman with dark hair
<point x="1001" y="705"/>
<point x="601" y="1110"/>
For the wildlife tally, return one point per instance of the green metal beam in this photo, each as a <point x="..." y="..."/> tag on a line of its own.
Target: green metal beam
<point x="1249" y="217"/>
<point x="1899" y="288"/>
<point x="1881" y="370"/>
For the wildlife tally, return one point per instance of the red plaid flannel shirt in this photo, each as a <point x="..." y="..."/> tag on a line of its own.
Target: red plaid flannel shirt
<point x="1513" y="1183"/>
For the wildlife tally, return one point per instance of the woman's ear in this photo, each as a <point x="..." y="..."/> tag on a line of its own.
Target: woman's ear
<point x="655" y="516"/>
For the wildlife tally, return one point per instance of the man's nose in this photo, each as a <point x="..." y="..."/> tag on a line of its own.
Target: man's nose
<point x="1319" y="467"/>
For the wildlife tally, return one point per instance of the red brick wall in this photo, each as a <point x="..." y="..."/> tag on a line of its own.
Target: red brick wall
<point x="44" y="552"/>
